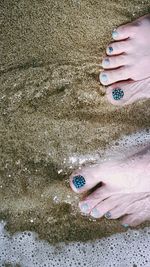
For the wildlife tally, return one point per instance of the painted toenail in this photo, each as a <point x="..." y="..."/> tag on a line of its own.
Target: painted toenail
<point x="78" y="181"/>
<point x="106" y="62"/>
<point x="104" y="78"/>
<point x="110" y="49"/>
<point x="115" y="34"/>
<point x="84" y="208"/>
<point x="125" y="225"/>
<point x="117" y="93"/>
<point x="95" y="213"/>
<point x="108" y="215"/>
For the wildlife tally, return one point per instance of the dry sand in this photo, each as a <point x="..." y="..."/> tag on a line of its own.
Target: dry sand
<point x="53" y="107"/>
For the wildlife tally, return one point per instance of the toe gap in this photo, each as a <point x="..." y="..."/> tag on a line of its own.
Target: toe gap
<point x="90" y="191"/>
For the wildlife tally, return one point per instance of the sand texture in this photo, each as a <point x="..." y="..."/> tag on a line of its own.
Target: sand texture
<point x="53" y="108"/>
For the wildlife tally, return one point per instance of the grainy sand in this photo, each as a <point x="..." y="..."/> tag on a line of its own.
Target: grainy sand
<point x="53" y="107"/>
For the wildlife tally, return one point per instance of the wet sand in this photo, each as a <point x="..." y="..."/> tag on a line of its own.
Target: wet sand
<point x="53" y="107"/>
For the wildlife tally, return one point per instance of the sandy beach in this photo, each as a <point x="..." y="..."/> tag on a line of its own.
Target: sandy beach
<point x="54" y="111"/>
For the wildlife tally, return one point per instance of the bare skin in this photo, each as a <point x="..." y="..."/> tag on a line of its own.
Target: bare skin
<point x="125" y="190"/>
<point x="127" y="65"/>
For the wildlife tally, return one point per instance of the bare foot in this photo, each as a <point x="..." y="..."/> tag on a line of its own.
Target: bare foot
<point x="125" y="190"/>
<point x="127" y="66"/>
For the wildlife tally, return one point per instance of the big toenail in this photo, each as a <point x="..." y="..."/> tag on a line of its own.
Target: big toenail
<point x="110" y="49"/>
<point x="114" y="34"/>
<point x="117" y="94"/>
<point x="95" y="213"/>
<point x="78" y="181"/>
<point x="104" y="78"/>
<point x="84" y="208"/>
<point x="108" y="215"/>
<point x="125" y="225"/>
<point x="106" y="62"/>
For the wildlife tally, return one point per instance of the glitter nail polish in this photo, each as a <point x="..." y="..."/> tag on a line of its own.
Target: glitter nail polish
<point x="117" y="94"/>
<point x="110" y="49"/>
<point x="78" y="181"/>
<point x="108" y="215"/>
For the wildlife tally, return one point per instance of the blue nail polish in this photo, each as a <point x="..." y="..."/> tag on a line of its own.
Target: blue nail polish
<point x="104" y="78"/>
<point x="95" y="213"/>
<point x="108" y="215"/>
<point x="84" y="208"/>
<point x="106" y="62"/>
<point x="117" y="94"/>
<point x="125" y="225"/>
<point x="78" y="181"/>
<point x="115" y="34"/>
<point x="110" y="49"/>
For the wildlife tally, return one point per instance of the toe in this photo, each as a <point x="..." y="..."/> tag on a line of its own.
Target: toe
<point x="111" y="76"/>
<point x="94" y="199"/>
<point x="103" y="208"/>
<point x="117" y="48"/>
<point x="81" y="182"/>
<point x="131" y="220"/>
<point x="85" y="207"/>
<point x="123" y="32"/>
<point x="118" y="211"/>
<point x="114" y="61"/>
<point x="85" y="179"/>
<point x="138" y="212"/>
<point x="126" y="204"/>
<point x="121" y="94"/>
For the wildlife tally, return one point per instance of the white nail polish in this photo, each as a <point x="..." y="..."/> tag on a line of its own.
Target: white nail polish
<point x="115" y="34"/>
<point x="106" y="62"/>
<point x="84" y="208"/>
<point x="104" y="78"/>
<point x="107" y="215"/>
<point x="95" y="213"/>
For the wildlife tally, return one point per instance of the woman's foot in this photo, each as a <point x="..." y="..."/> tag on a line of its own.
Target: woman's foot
<point x="127" y="65"/>
<point x="124" y="190"/>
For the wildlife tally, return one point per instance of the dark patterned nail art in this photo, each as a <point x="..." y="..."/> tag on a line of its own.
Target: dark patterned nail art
<point x="117" y="94"/>
<point x="78" y="181"/>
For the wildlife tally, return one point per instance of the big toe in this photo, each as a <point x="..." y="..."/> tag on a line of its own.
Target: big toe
<point x="121" y="94"/>
<point x="84" y="179"/>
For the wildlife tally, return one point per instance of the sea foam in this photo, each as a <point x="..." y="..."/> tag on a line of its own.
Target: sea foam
<point x="128" y="249"/>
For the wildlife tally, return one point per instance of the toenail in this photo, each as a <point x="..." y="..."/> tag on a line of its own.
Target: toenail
<point x="104" y="78"/>
<point x="125" y="225"/>
<point x="108" y="215"/>
<point x="117" y="93"/>
<point x="95" y="213"/>
<point x="78" y="181"/>
<point x="84" y="208"/>
<point x="110" y="49"/>
<point x="106" y="61"/>
<point x="115" y="34"/>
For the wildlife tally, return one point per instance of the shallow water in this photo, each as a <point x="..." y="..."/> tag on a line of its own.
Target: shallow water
<point x="120" y="250"/>
<point x="54" y="115"/>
